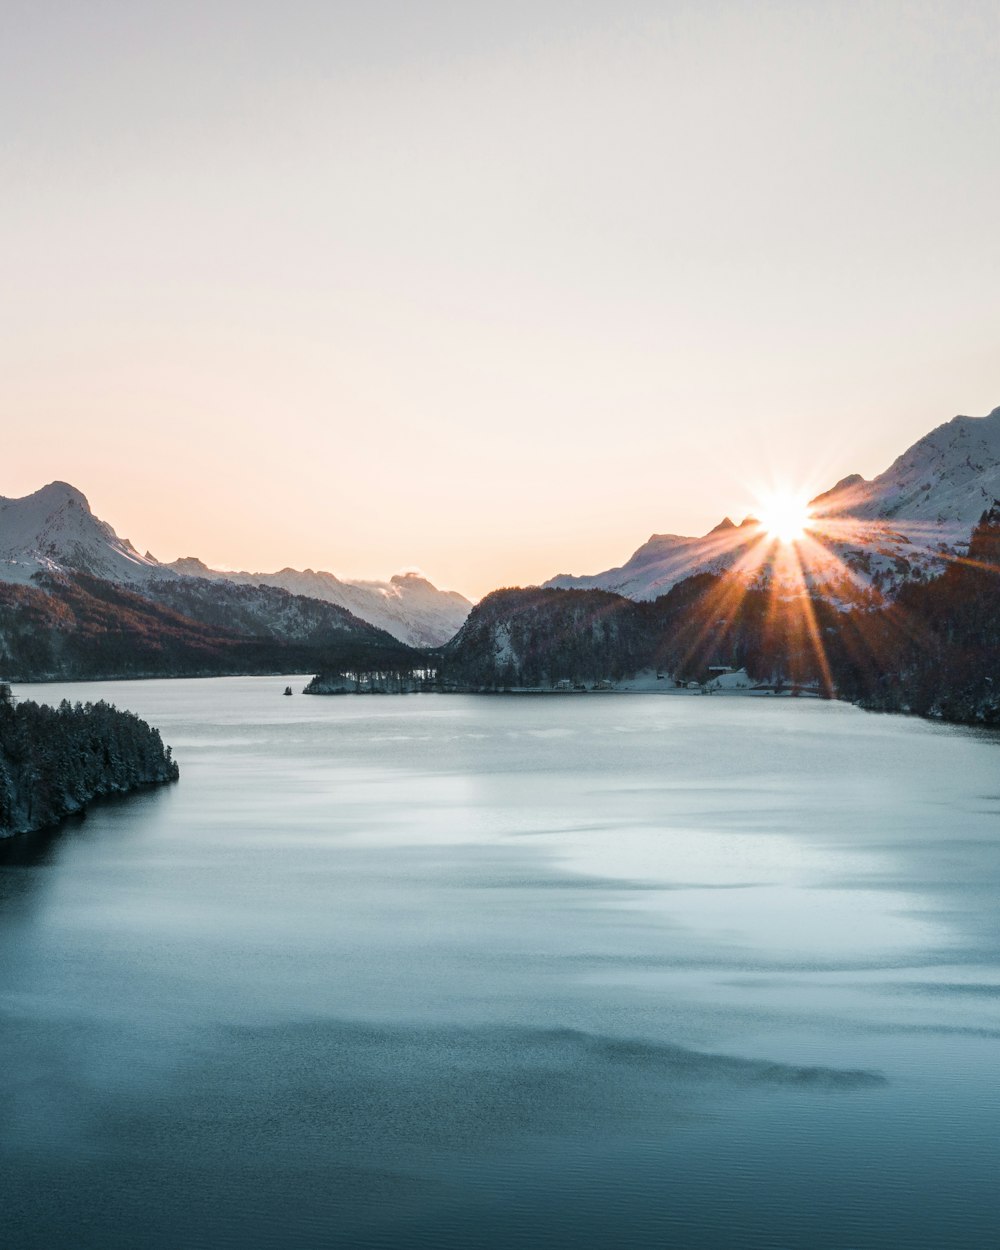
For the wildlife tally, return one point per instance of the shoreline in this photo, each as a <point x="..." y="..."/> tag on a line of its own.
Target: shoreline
<point x="625" y="688"/>
<point x="79" y="814"/>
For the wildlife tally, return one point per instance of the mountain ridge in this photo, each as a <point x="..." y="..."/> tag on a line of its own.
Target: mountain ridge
<point x="408" y="606"/>
<point x="53" y="531"/>
<point x="905" y="524"/>
<point x="869" y="538"/>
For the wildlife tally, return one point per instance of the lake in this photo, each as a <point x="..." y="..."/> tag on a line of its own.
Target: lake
<point x="611" y="970"/>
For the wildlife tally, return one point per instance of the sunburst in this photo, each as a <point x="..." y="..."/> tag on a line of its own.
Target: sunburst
<point x="784" y="516"/>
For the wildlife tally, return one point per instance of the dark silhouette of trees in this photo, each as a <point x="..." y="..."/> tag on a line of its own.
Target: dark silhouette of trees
<point x="935" y="651"/>
<point x="55" y="760"/>
<point x="82" y="627"/>
<point x="537" y="637"/>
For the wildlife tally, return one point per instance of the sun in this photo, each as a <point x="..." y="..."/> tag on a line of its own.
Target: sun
<point x="784" y="516"/>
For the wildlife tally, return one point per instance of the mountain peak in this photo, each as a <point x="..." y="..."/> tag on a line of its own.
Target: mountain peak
<point x="411" y="579"/>
<point x="841" y="494"/>
<point x="907" y="521"/>
<point x="190" y="566"/>
<point x="54" y="530"/>
<point x="56" y="495"/>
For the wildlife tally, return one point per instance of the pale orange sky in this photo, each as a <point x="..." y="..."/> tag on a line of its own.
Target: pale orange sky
<point x="493" y="291"/>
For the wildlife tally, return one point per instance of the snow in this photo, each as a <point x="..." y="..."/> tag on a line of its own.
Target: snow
<point x="54" y="530"/>
<point x="649" y="681"/>
<point x="738" y="679"/>
<point x="407" y="606"/>
<point x="914" y="517"/>
<point x="917" y="514"/>
<point x="947" y="479"/>
<point x="503" y="651"/>
<point x="663" y="561"/>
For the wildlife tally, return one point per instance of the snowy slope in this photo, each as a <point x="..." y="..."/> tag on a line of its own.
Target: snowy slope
<point x="665" y="559"/>
<point x="869" y="536"/>
<point x="947" y="479"/>
<point x="407" y="606"/>
<point x="54" y="530"/>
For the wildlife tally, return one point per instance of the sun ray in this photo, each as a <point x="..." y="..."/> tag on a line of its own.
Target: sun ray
<point x="784" y="516"/>
<point x="808" y="559"/>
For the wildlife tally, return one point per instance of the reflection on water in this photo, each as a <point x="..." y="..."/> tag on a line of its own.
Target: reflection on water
<point x="448" y="972"/>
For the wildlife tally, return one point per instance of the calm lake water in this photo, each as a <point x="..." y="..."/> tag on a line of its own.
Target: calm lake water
<point x="458" y="972"/>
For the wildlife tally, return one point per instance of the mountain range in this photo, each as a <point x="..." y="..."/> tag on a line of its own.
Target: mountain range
<point x="54" y="531"/>
<point x="868" y="537"/>
<point x="77" y="599"/>
<point x="407" y="606"/>
<point x="933" y="651"/>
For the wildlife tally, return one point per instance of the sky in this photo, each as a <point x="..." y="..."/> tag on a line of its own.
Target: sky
<point x="490" y="290"/>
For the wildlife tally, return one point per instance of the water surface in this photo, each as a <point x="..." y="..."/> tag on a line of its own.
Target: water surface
<point x="446" y="971"/>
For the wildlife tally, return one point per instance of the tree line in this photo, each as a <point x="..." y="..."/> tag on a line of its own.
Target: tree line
<point x="55" y="760"/>
<point x="934" y="651"/>
<point x="81" y="627"/>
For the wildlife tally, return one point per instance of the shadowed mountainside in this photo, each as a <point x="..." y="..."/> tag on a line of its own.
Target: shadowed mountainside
<point x="935" y="651"/>
<point x="53" y="531"/>
<point x="83" y="627"/>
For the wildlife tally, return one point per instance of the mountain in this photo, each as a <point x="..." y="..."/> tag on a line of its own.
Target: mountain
<point x="666" y="559"/>
<point x="934" y="651"/>
<point x="534" y="637"/>
<point x="53" y="531"/>
<point x="537" y="638"/>
<point x="260" y="611"/>
<point x="78" y="601"/>
<point x="868" y="538"/>
<point x="944" y="482"/>
<point x="846" y="572"/>
<point x="78" y="627"/>
<point x="407" y="606"/>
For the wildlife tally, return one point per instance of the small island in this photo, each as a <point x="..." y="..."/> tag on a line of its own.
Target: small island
<point x="56" y="760"/>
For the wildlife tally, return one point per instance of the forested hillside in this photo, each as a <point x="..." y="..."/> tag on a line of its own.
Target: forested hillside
<point x="55" y="760"/>
<point x="533" y="637"/>
<point x="262" y="611"/>
<point x="82" y="627"/>
<point x="935" y="651"/>
<point x="536" y="636"/>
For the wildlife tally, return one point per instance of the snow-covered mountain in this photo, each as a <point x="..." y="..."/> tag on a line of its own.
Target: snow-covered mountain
<point x="866" y="536"/>
<point x="666" y="559"/>
<point x="54" y="531"/>
<point x="407" y="606"/>
<point x="946" y="480"/>
<point x="851" y="563"/>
